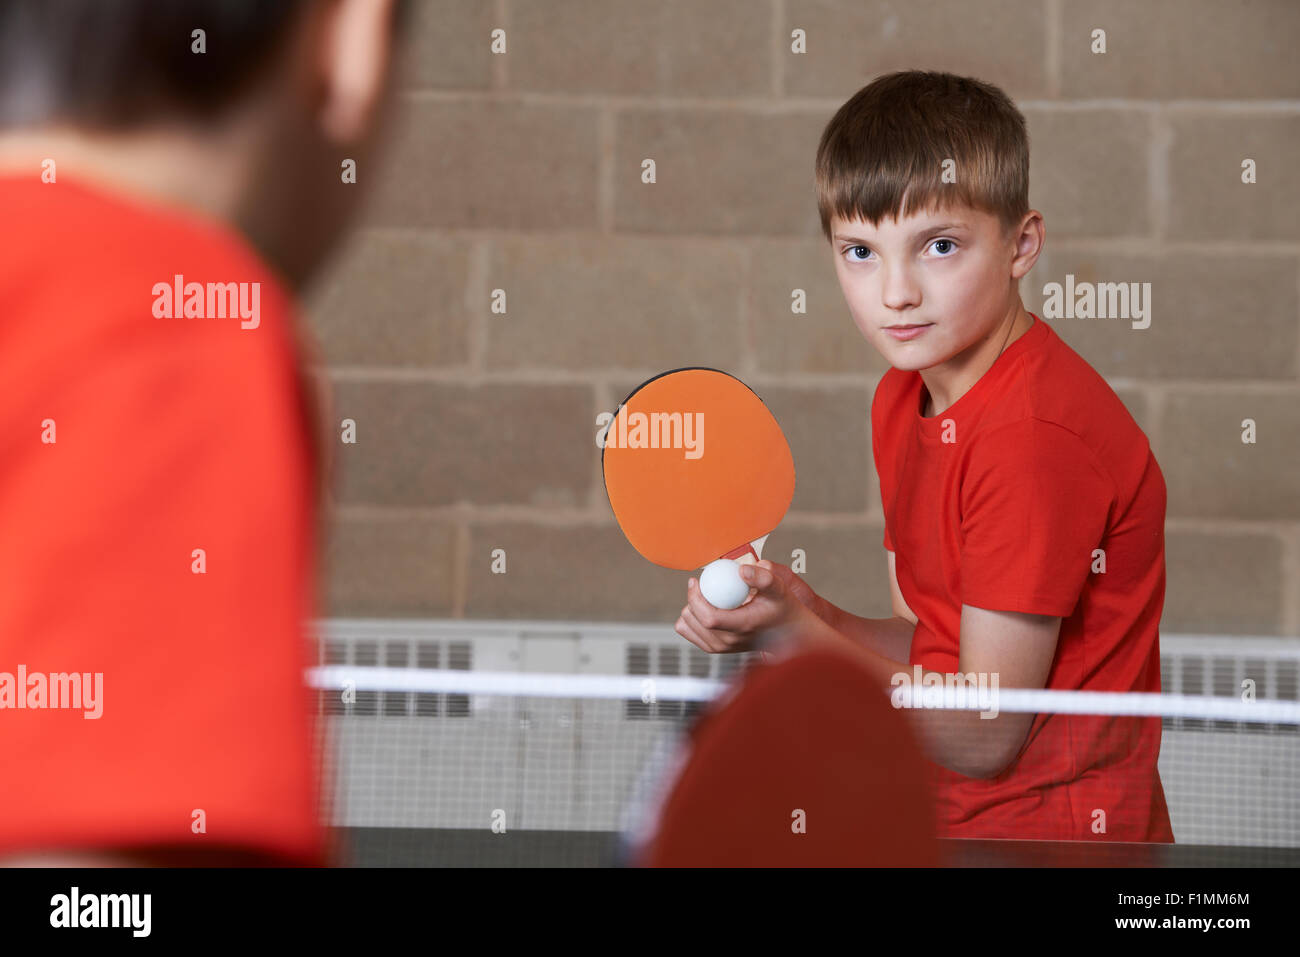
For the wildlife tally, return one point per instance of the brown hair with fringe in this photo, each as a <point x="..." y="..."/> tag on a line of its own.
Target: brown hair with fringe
<point x="884" y="151"/>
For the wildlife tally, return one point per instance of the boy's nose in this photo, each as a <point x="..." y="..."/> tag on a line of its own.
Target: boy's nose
<point x="898" y="289"/>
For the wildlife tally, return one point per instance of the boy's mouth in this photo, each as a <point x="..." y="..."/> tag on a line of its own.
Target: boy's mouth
<point x="905" y="331"/>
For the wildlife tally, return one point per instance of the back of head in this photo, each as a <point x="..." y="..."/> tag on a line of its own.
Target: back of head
<point x="253" y="112"/>
<point x="116" y="65"/>
<point x="914" y="141"/>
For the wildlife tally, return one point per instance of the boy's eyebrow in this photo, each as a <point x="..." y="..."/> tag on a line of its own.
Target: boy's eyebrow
<point x="938" y="228"/>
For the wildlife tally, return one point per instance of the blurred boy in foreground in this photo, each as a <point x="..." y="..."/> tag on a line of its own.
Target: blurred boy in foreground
<point x="171" y="173"/>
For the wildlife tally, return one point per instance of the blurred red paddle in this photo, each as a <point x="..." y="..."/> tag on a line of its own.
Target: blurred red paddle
<point x="803" y="764"/>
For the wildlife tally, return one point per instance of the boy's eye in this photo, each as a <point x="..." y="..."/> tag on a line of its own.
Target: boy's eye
<point x="857" y="254"/>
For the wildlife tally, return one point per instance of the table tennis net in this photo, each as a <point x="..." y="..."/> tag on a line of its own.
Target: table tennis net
<point x="435" y="762"/>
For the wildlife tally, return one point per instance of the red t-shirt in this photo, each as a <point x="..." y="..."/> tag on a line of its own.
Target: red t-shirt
<point x="999" y="502"/>
<point x="170" y="435"/>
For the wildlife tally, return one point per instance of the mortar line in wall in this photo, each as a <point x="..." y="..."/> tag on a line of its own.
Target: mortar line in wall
<point x="778" y="48"/>
<point x="500" y="62"/>
<point x="826" y="381"/>
<point x="1290" y="570"/>
<point x="478" y="310"/>
<point x="460" y="567"/>
<point x="764" y="105"/>
<point x="606" y="192"/>
<point x="1161" y="140"/>
<point x="1053" y="35"/>
<point x="1095" y="244"/>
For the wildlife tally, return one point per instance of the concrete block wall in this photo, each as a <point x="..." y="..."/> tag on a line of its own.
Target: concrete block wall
<point x="521" y="171"/>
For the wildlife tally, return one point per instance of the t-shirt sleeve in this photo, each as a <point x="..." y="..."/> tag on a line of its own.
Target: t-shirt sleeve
<point x="1034" y="506"/>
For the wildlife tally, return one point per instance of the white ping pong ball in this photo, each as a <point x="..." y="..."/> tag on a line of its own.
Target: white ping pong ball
<point x="721" y="584"/>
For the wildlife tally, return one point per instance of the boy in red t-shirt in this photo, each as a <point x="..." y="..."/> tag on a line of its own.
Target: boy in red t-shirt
<point x="1024" y="510"/>
<point x="170" y="174"/>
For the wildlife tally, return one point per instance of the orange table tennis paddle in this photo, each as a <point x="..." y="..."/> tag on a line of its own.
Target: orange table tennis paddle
<point x="697" y="470"/>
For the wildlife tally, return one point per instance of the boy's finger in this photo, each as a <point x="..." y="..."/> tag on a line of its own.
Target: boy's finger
<point x="684" y="629"/>
<point x="757" y="577"/>
<point x="694" y="597"/>
<point x="704" y="637"/>
<point x="695" y="600"/>
<point x="708" y="615"/>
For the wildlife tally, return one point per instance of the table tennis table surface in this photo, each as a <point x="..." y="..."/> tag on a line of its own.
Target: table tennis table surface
<point x="431" y="847"/>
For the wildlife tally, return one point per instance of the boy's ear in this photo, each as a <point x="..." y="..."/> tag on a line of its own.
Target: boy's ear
<point x="1029" y="237"/>
<point x="355" y="51"/>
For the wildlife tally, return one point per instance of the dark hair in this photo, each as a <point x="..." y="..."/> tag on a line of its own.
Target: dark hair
<point x="883" y="152"/>
<point x="116" y="63"/>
